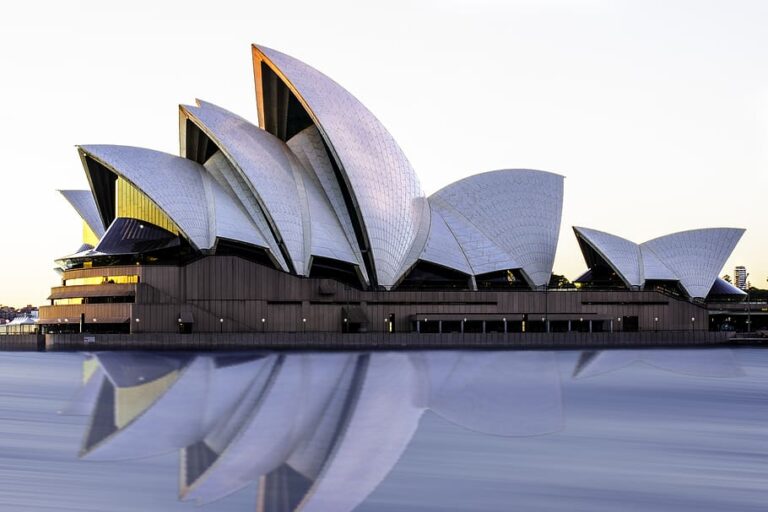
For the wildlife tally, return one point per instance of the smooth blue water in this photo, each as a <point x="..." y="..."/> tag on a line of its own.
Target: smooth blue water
<point x="623" y="430"/>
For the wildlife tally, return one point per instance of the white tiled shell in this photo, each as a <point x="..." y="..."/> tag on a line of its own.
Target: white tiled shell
<point x="653" y="267"/>
<point x="201" y="208"/>
<point x="229" y="219"/>
<point x="696" y="256"/>
<point x="518" y="209"/>
<point x="174" y="184"/>
<point x="309" y="149"/>
<point x="221" y="170"/>
<point x="85" y="205"/>
<point x="442" y="247"/>
<point x="327" y="238"/>
<point x="621" y="254"/>
<point x="268" y="167"/>
<point x="482" y="253"/>
<point x="381" y="179"/>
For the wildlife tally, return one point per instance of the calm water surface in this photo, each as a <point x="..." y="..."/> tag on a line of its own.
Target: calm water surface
<point x="625" y="430"/>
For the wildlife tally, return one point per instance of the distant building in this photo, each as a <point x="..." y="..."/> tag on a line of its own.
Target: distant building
<point x="740" y="277"/>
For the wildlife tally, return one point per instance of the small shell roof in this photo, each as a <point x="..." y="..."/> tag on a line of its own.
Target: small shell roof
<point x="517" y="210"/>
<point x="694" y="257"/>
<point x="181" y="188"/>
<point x="85" y="205"/>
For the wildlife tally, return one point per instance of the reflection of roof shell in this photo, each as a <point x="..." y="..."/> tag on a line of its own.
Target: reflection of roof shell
<point x="318" y="431"/>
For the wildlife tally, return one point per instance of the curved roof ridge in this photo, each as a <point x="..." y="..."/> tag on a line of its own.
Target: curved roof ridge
<point x="621" y="254"/>
<point x="374" y="170"/>
<point x="479" y="263"/>
<point x="444" y="252"/>
<point x="197" y="203"/>
<point x="151" y="171"/>
<point x="85" y="205"/>
<point x="519" y="209"/>
<point x="269" y="169"/>
<point x="695" y="230"/>
<point x="696" y="255"/>
<point x="692" y="257"/>
<point x="653" y="267"/>
<point x="502" y="170"/>
<point x="308" y="147"/>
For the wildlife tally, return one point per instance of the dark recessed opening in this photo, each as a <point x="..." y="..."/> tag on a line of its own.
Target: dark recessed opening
<point x="429" y="276"/>
<point x="245" y="251"/>
<point x="103" y="185"/>
<point x="341" y="271"/>
<point x="510" y="279"/>
<point x="284" y="115"/>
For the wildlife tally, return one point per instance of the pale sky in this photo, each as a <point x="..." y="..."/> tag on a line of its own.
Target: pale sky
<point x="655" y="111"/>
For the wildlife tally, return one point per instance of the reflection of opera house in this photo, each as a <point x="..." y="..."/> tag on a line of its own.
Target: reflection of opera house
<point x="322" y="431"/>
<point x="316" y="431"/>
<point x="315" y="222"/>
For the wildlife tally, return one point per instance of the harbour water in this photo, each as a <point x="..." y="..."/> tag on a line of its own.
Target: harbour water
<point x="615" y="430"/>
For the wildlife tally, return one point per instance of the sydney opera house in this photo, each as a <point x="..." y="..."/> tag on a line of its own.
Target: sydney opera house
<point x="315" y="222"/>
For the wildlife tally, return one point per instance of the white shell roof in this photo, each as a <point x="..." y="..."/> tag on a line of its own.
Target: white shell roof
<point x="268" y="167"/>
<point x="620" y="253"/>
<point x="482" y="253"/>
<point x="221" y="170"/>
<point x="153" y="172"/>
<point x="519" y="210"/>
<point x="198" y="205"/>
<point x="653" y="267"/>
<point x="381" y="180"/>
<point x="442" y="247"/>
<point x="230" y="221"/>
<point x="694" y="258"/>
<point x="308" y="147"/>
<point x="327" y="237"/>
<point x="85" y="205"/>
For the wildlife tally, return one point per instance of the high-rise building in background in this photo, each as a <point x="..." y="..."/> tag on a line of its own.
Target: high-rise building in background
<point x="740" y="277"/>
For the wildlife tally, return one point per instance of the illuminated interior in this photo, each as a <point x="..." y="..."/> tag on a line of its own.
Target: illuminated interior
<point x="89" y="237"/>
<point x="79" y="281"/>
<point x="133" y="204"/>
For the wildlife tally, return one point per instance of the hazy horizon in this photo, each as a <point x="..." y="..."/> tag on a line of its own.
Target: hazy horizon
<point x="656" y="112"/>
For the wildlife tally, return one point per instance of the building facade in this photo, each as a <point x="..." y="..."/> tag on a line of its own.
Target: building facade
<point x="740" y="277"/>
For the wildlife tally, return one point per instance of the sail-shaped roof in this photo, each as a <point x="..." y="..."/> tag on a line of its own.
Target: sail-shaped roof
<point x="380" y="185"/>
<point x="693" y="258"/>
<point x="516" y="210"/>
<point x="182" y="189"/>
<point x="83" y="202"/>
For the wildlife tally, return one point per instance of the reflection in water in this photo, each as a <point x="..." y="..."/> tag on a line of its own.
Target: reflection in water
<point x="321" y="431"/>
<point x="317" y="431"/>
<point x="701" y="363"/>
